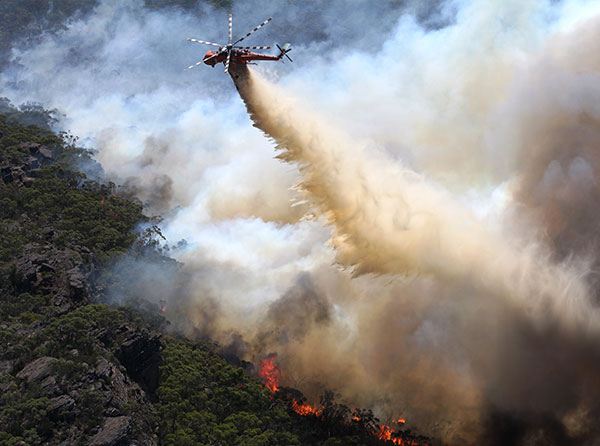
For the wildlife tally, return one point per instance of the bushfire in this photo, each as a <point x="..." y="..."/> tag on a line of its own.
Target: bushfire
<point x="305" y="409"/>
<point x="386" y="433"/>
<point x="270" y="373"/>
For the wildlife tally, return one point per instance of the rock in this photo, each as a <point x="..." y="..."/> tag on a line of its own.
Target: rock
<point x="112" y="412"/>
<point x="114" y="432"/>
<point x="38" y="151"/>
<point x="49" y="386"/>
<point x="31" y="146"/>
<point x="46" y="153"/>
<point x="33" y="163"/>
<point x="16" y="174"/>
<point x="120" y="389"/>
<point x="104" y="369"/>
<point x="23" y="172"/>
<point x="60" y="405"/>
<point x="77" y="281"/>
<point x="12" y="174"/>
<point x="64" y="274"/>
<point x="140" y="355"/>
<point x="37" y="370"/>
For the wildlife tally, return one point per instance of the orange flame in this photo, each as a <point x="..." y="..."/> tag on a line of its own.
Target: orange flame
<point x="385" y="434"/>
<point x="305" y="409"/>
<point x="270" y="373"/>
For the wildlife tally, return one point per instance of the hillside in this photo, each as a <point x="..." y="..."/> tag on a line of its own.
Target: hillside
<point x="74" y="370"/>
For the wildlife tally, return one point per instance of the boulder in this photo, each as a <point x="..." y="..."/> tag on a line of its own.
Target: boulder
<point x="12" y="174"/>
<point x="21" y="173"/>
<point x="49" y="386"/>
<point x="45" y="152"/>
<point x="37" y="370"/>
<point x="119" y="388"/>
<point x="114" y="432"/>
<point x="33" y="147"/>
<point x="64" y="274"/>
<point x="61" y="406"/>
<point x="37" y="150"/>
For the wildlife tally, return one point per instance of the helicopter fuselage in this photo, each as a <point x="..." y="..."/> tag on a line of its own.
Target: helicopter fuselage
<point x="237" y="57"/>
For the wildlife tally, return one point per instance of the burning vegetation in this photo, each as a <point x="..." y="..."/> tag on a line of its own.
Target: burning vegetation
<point x="337" y="416"/>
<point x="270" y="373"/>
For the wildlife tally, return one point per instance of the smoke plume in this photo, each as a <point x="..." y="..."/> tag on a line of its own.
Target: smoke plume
<point x="389" y="220"/>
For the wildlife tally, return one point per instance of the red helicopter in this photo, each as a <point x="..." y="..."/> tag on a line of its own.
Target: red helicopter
<point x="232" y="53"/>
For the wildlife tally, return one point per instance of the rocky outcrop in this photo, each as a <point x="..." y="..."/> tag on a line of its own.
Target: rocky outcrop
<point x="23" y="173"/>
<point x="114" y="432"/>
<point x="37" y="370"/>
<point x="64" y="274"/>
<point x="115" y="393"/>
<point x="117" y="388"/>
<point x="61" y="406"/>
<point x="140" y="355"/>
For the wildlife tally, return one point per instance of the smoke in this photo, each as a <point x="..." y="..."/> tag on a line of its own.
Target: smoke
<point x="429" y="249"/>
<point x="390" y="220"/>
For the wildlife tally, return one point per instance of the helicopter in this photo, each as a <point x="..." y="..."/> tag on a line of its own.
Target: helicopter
<point x="232" y="53"/>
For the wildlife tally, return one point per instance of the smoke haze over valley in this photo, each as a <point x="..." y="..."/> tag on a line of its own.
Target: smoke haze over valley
<point x="418" y="230"/>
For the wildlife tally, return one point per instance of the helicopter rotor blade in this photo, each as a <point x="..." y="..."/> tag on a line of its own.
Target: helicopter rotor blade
<point x="254" y="30"/>
<point x="204" y="42"/>
<point x="263" y="47"/>
<point x="213" y="56"/>
<point x="205" y="60"/>
<point x="195" y="65"/>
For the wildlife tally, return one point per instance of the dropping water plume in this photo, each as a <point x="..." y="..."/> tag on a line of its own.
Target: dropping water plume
<point x="390" y="220"/>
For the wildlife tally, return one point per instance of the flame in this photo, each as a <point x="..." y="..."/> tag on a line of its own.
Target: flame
<point x="385" y="434"/>
<point x="305" y="409"/>
<point x="270" y="373"/>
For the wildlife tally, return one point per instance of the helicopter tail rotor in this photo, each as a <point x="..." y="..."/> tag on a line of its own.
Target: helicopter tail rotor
<point x="284" y="50"/>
